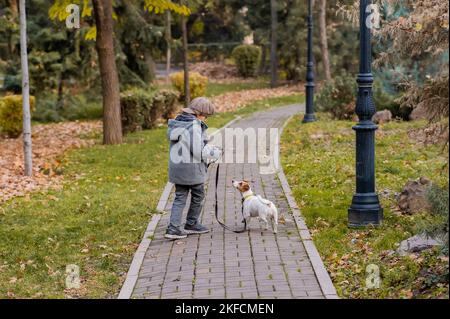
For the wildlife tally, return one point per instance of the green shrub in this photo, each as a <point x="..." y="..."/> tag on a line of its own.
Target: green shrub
<point x="385" y="101"/>
<point x="197" y="84"/>
<point x="12" y="83"/>
<point x="438" y="198"/>
<point x="78" y="107"/>
<point x="338" y="98"/>
<point x="143" y="109"/>
<point x="134" y="103"/>
<point x="170" y="105"/>
<point x="11" y="115"/>
<point x="247" y="59"/>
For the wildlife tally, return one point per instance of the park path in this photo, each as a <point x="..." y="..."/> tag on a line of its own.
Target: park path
<point x="222" y="264"/>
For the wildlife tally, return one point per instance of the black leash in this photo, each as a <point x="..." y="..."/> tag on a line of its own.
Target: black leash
<point x="217" y="209"/>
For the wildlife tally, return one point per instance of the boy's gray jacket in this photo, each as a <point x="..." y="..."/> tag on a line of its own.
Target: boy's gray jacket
<point x="187" y="140"/>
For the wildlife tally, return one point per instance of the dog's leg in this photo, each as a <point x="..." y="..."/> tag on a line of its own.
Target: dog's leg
<point x="266" y="223"/>
<point x="247" y="221"/>
<point x="274" y="219"/>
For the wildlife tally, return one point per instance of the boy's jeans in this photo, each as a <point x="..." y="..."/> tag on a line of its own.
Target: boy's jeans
<point x="181" y="195"/>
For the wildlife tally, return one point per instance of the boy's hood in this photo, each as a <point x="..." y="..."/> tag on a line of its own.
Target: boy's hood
<point x="182" y="122"/>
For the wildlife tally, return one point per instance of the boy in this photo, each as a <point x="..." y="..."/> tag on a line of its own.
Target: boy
<point x="188" y="166"/>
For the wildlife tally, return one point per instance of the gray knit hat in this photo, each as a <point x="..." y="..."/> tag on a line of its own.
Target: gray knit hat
<point x="200" y="106"/>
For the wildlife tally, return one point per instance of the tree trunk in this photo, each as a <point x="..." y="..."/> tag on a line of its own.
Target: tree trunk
<point x="273" y="44"/>
<point x="112" y="125"/>
<point x="60" y="99"/>
<point x="323" y="39"/>
<point x="187" y="92"/>
<point x="27" y="147"/>
<point x="150" y="62"/>
<point x="169" y="46"/>
<point x="262" y="66"/>
<point x="13" y="6"/>
<point x="11" y="42"/>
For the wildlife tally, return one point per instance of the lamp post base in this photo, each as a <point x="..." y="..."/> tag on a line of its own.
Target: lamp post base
<point x="365" y="211"/>
<point x="309" y="118"/>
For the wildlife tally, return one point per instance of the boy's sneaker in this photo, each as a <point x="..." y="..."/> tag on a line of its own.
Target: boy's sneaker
<point x="196" y="229"/>
<point x="175" y="234"/>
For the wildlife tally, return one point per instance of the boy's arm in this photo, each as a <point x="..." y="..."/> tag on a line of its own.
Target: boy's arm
<point x="197" y="143"/>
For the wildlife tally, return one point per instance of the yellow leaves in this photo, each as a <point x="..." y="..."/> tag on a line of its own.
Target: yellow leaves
<point x="161" y="6"/>
<point x="91" y="34"/>
<point x="53" y="198"/>
<point x="418" y="27"/>
<point x="87" y="9"/>
<point x="58" y="11"/>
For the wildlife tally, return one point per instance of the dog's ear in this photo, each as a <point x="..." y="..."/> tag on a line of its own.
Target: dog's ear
<point x="245" y="186"/>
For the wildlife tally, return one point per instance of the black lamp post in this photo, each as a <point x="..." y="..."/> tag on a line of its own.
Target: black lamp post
<point x="309" y="87"/>
<point x="365" y="209"/>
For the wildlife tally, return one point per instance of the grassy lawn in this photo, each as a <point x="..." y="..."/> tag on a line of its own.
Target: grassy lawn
<point x="96" y="221"/>
<point x="214" y="89"/>
<point x="318" y="160"/>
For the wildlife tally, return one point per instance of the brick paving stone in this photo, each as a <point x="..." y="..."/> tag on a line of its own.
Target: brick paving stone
<point x="253" y="264"/>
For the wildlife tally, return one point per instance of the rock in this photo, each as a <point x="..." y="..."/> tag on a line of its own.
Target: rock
<point x="384" y="116"/>
<point x="413" y="197"/>
<point x="418" y="113"/>
<point x="416" y="244"/>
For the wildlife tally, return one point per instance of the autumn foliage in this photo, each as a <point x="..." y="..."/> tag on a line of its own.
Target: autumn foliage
<point x="11" y="114"/>
<point x="197" y="83"/>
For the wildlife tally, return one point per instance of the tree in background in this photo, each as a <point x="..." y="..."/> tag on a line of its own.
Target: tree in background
<point x="323" y="39"/>
<point x="103" y="31"/>
<point x="112" y="123"/>
<point x="187" y="92"/>
<point x="168" y="38"/>
<point x="25" y="91"/>
<point x="421" y="35"/>
<point x="292" y="54"/>
<point x="273" y="43"/>
<point x="412" y="43"/>
<point x="257" y="17"/>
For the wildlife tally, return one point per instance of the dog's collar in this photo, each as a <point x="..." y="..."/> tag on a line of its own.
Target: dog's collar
<point x="247" y="197"/>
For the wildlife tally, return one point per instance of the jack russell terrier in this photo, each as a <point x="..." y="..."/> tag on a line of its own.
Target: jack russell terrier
<point x="256" y="206"/>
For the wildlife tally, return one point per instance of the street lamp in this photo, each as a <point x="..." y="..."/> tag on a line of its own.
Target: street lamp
<point x="365" y="209"/>
<point x="309" y="86"/>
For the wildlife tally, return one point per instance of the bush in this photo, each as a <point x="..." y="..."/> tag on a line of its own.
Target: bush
<point x="197" y="84"/>
<point x="338" y="98"/>
<point x="12" y="83"/>
<point x="79" y="107"/>
<point x="438" y="199"/>
<point x="11" y="115"/>
<point x="170" y="105"/>
<point x="143" y="109"/>
<point x="385" y="101"/>
<point x="247" y="59"/>
<point x="134" y="103"/>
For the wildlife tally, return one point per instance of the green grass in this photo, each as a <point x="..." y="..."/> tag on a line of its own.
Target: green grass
<point x="318" y="160"/>
<point x="214" y="89"/>
<point x="95" y="221"/>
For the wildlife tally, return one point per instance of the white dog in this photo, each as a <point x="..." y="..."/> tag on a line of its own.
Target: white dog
<point x="256" y="206"/>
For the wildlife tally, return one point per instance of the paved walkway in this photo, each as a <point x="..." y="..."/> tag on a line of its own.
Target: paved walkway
<point x="222" y="264"/>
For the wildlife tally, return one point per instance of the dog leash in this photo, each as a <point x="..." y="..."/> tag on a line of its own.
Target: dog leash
<point x="216" y="208"/>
